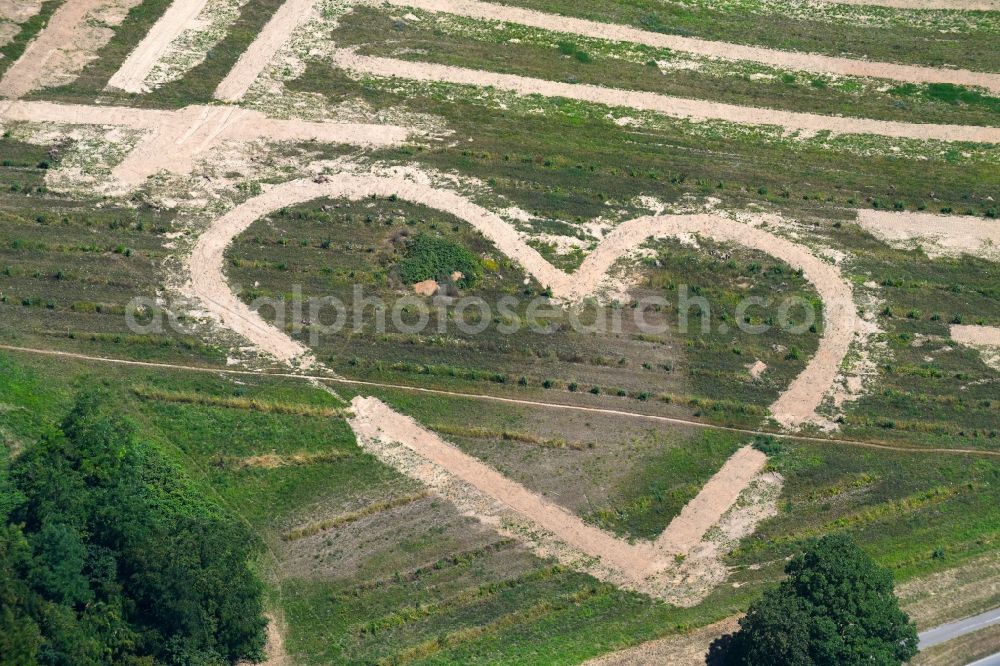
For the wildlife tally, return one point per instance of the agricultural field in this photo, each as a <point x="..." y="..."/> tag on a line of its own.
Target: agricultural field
<point x="520" y="331"/>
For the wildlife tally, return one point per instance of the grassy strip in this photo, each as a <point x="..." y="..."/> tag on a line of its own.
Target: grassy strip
<point x="919" y="46"/>
<point x="13" y="49"/>
<point x="433" y="646"/>
<point x="248" y="404"/>
<point x="469" y="595"/>
<point x="893" y="509"/>
<point x="274" y="461"/>
<point x="354" y="516"/>
<point x="508" y="436"/>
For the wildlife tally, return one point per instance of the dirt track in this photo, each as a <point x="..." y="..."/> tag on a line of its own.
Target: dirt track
<point x="131" y="76"/>
<point x="938" y="235"/>
<point x="63" y="47"/>
<point x="177" y="139"/>
<point x="806" y="62"/>
<point x="671" y="106"/>
<point x="261" y="52"/>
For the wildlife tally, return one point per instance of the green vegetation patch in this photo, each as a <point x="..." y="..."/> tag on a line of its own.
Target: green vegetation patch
<point x="434" y="258"/>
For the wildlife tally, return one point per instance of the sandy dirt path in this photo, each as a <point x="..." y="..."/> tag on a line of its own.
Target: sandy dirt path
<point x="177" y="139"/>
<point x="376" y="425"/>
<point x="131" y="76"/>
<point x="261" y="52"/>
<point x="796" y="406"/>
<point x="806" y="62"/>
<point x="677" y="107"/>
<point x="937" y="235"/>
<point x="977" y="336"/>
<point x="64" y="46"/>
<point x="715" y="498"/>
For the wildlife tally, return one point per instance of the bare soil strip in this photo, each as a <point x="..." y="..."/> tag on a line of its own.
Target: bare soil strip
<point x="715" y="498"/>
<point x="177" y="139"/>
<point x="376" y="425"/>
<point x="63" y="47"/>
<point x="261" y="52"/>
<point x="806" y="62"/>
<point x="976" y="336"/>
<point x="937" y="235"/>
<point x="691" y="109"/>
<point x="19" y="11"/>
<point x="796" y="405"/>
<point x="131" y="76"/>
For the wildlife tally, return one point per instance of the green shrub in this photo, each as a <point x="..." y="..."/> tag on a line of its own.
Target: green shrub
<point x="435" y="258"/>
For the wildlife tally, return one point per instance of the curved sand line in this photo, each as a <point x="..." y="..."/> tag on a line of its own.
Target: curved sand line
<point x="796" y="405"/>
<point x="677" y="107"/>
<point x="64" y="30"/>
<point x="488" y="495"/>
<point x="261" y="52"/>
<point x="793" y="60"/>
<point x="131" y="76"/>
<point x="937" y="235"/>
<point x="177" y="138"/>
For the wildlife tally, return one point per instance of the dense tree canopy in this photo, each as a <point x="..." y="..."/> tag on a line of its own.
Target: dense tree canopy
<point x="108" y="555"/>
<point x="836" y="608"/>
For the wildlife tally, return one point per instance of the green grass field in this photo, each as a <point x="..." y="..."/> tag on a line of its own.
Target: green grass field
<point x="363" y="564"/>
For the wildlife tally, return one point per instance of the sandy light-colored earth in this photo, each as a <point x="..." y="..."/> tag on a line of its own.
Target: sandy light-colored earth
<point x="131" y="76"/>
<point x="174" y="140"/>
<point x="19" y="11"/>
<point x="691" y="109"/>
<point x="806" y="62"/>
<point x="291" y="15"/>
<point x="936" y="235"/>
<point x="984" y="338"/>
<point x="77" y="29"/>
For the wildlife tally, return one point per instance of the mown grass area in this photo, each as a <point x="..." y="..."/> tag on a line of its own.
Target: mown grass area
<point x="13" y="49"/>
<point x="571" y="161"/>
<point x="567" y="58"/>
<point x="420" y="584"/>
<point x="921" y="46"/>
